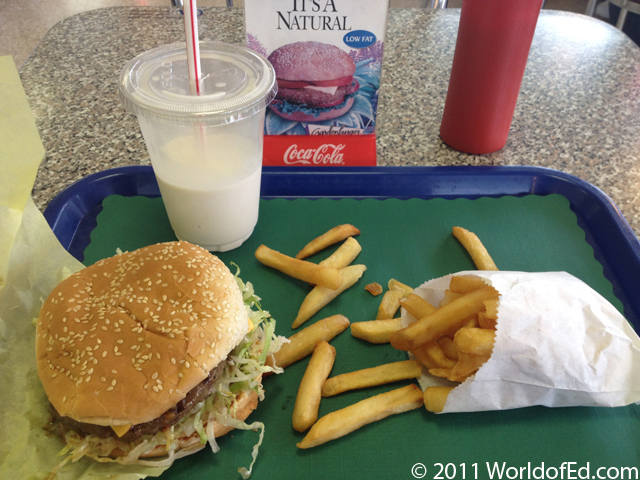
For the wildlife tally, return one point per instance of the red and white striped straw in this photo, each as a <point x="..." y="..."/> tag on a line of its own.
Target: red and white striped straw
<point x="193" y="46"/>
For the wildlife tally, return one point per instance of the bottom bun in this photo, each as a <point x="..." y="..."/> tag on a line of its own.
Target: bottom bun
<point x="246" y="403"/>
<point x="299" y="116"/>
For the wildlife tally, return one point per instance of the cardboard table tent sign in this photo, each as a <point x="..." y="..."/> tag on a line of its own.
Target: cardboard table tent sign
<point x="328" y="60"/>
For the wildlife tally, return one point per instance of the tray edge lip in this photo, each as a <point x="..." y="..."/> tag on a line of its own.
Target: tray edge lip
<point x="62" y="200"/>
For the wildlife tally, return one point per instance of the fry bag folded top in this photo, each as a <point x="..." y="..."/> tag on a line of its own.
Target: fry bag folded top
<point x="558" y="344"/>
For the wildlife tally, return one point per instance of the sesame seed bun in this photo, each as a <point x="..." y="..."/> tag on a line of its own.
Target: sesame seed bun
<point x="124" y="340"/>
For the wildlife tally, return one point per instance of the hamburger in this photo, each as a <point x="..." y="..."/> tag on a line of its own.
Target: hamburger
<point x="151" y="353"/>
<point x="315" y="81"/>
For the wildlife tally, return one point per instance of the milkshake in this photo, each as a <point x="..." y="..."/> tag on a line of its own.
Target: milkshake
<point x="206" y="149"/>
<point x="213" y="201"/>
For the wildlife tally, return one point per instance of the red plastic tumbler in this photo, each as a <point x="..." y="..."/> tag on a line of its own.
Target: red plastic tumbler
<point x="494" y="39"/>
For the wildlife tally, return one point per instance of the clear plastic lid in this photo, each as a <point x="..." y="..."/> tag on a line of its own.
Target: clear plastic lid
<point x="236" y="83"/>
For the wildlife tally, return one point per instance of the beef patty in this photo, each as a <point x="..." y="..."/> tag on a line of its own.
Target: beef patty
<point x="315" y="98"/>
<point x="172" y="416"/>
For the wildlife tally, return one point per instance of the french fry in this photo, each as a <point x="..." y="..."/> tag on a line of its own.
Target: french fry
<point x="423" y="358"/>
<point x="344" y="255"/>
<point x="440" y="372"/>
<point x="466" y="283"/>
<point x="390" y="304"/>
<point x="485" y="322"/>
<point x="306" y="271"/>
<point x="435" y="398"/>
<point x="370" y="377"/>
<point x="396" y="285"/>
<point x="374" y="288"/>
<point x="321" y="296"/>
<point x="376" y="331"/>
<point x="472" y="321"/>
<point x="467" y="365"/>
<point x="305" y="411"/>
<point x="335" y="235"/>
<point x="475" y="341"/>
<point x="474" y="347"/>
<point x="491" y="307"/>
<point x="442" y="320"/>
<point x="436" y="354"/>
<point x="448" y="297"/>
<point x="302" y="343"/>
<point x="391" y="301"/>
<point x="342" y="422"/>
<point x="448" y="348"/>
<point x="476" y="249"/>
<point x="417" y="306"/>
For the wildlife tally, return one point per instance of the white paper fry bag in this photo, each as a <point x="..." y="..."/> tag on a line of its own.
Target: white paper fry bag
<point x="558" y="343"/>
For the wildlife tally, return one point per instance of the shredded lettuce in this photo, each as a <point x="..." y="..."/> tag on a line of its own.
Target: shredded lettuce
<point x="197" y="424"/>
<point x="287" y="107"/>
<point x="232" y="422"/>
<point x="242" y="372"/>
<point x="269" y="331"/>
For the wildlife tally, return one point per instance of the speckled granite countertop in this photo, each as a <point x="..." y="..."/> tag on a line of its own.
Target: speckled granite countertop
<point x="578" y="110"/>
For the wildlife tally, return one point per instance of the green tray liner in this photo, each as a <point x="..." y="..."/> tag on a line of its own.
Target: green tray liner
<point x="409" y="240"/>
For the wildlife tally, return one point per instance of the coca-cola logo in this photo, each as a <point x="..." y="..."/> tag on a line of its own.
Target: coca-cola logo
<point x="327" y="154"/>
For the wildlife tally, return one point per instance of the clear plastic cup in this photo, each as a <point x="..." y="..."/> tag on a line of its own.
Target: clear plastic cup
<point x="206" y="150"/>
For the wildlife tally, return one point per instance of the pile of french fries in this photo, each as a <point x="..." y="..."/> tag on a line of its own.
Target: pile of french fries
<point x="454" y="340"/>
<point x="451" y="340"/>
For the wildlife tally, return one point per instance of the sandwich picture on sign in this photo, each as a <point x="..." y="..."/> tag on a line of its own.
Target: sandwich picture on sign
<point x="323" y="89"/>
<point x="327" y="55"/>
<point x="315" y="82"/>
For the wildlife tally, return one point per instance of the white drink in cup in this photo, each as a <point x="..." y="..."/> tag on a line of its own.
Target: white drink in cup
<point x="206" y="149"/>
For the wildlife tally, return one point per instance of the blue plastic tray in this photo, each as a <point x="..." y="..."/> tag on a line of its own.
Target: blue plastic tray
<point x="72" y="214"/>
